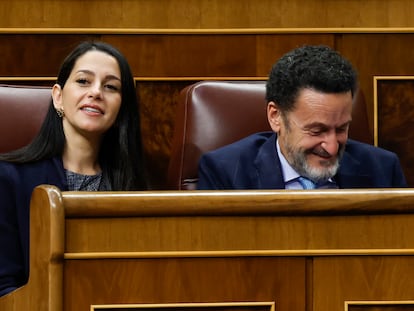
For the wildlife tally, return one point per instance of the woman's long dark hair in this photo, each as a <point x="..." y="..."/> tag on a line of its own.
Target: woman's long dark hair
<point x="121" y="154"/>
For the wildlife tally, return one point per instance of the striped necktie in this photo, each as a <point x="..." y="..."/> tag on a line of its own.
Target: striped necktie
<point x="306" y="183"/>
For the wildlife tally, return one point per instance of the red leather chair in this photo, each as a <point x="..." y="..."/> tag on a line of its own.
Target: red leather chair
<point x="22" y="111"/>
<point x="211" y="114"/>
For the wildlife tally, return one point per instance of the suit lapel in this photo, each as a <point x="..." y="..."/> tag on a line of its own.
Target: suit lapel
<point x="269" y="172"/>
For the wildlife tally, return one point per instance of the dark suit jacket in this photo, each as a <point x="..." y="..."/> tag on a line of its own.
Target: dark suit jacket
<point x="253" y="163"/>
<point x="16" y="185"/>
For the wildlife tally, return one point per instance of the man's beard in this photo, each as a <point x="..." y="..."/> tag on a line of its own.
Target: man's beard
<point x="297" y="159"/>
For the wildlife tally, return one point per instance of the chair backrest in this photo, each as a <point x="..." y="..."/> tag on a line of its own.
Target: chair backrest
<point x="211" y="114"/>
<point x="22" y="111"/>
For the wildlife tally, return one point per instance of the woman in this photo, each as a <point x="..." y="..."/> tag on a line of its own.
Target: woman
<point x="90" y="140"/>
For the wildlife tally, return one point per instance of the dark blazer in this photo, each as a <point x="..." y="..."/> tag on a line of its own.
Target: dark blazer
<point x="253" y="163"/>
<point x="17" y="182"/>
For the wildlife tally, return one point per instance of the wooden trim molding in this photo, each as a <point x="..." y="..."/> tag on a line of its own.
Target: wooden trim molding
<point x="239" y="253"/>
<point x="193" y="306"/>
<point x="24" y="79"/>
<point x="378" y="303"/>
<point x="192" y="31"/>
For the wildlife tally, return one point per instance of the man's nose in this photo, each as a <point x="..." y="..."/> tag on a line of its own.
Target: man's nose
<point x="330" y="143"/>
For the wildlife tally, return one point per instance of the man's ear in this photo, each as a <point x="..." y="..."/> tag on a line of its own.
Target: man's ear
<point x="274" y="116"/>
<point x="57" y="96"/>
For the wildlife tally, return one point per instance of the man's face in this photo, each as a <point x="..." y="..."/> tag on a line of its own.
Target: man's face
<point x="312" y="136"/>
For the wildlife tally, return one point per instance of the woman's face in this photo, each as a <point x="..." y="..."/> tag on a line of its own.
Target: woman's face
<point x="91" y="97"/>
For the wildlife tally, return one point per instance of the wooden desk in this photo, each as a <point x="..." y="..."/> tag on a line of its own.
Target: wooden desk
<point x="317" y="250"/>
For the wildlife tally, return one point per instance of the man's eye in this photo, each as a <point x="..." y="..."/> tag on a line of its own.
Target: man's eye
<point x="316" y="132"/>
<point x="342" y="129"/>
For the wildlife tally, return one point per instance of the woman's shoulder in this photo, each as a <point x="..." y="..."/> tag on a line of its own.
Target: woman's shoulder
<point x="40" y="170"/>
<point x="8" y="168"/>
<point x="13" y="166"/>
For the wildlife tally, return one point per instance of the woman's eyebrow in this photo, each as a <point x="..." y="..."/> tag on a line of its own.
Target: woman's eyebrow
<point x="107" y="77"/>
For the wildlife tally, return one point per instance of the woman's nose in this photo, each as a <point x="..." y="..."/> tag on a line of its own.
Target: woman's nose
<point x="95" y="90"/>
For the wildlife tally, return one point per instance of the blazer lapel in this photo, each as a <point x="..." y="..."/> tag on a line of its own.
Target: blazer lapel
<point x="269" y="172"/>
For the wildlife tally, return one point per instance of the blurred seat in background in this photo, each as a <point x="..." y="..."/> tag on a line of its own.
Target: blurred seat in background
<point x="22" y="110"/>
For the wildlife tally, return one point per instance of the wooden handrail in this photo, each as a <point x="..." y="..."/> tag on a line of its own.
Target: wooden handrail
<point x="252" y="202"/>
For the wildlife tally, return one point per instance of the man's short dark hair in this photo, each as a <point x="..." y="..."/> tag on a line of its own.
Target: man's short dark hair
<point x="316" y="67"/>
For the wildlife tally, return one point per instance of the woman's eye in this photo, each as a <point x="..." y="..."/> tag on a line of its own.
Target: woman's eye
<point x="82" y="81"/>
<point x="112" y="87"/>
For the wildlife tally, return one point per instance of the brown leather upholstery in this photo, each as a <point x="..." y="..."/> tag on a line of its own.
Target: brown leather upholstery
<point x="22" y="110"/>
<point x="211" y="114"/>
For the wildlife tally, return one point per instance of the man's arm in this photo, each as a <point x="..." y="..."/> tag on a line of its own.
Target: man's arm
<point x="209" y="174"/>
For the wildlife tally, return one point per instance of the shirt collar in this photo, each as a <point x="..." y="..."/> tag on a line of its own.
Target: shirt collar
<point x="288" y="172"/>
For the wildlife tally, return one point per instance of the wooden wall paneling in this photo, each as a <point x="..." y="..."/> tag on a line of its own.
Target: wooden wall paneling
<point x="31" y="55"/>
<point x="176" y="55"/>
<point x="195" y="14"/>
<point x="362" y="278"/>
<point x="154" y="234"/>
<point x="210" y="55"/>
<point x="174" y="280"/>
<point x="380" y="54"/>
<point x="159" y="55"/>
<point x="395" y="116"/>
<point x="158" y="100"/>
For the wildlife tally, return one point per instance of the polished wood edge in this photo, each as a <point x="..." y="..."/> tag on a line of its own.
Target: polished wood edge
<point x="240" y="202"/>
<point x="377" y="302"/>
<point x="375" y="85"/>
<point x="52" y="197"/>
<point x="27" y="78"/>
<point x="238" y="253"/>
<point x="270" y="304"/>
<point x="192" y="31"/>
<point x="376" y="78"/>
<point x="73" y="195"/>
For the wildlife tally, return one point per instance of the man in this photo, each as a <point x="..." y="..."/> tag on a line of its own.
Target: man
<point x="310" y="93"/>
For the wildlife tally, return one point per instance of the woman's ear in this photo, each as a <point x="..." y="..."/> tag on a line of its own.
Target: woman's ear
<point x="274" y="116"/>
<point x="57" y="97"/>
